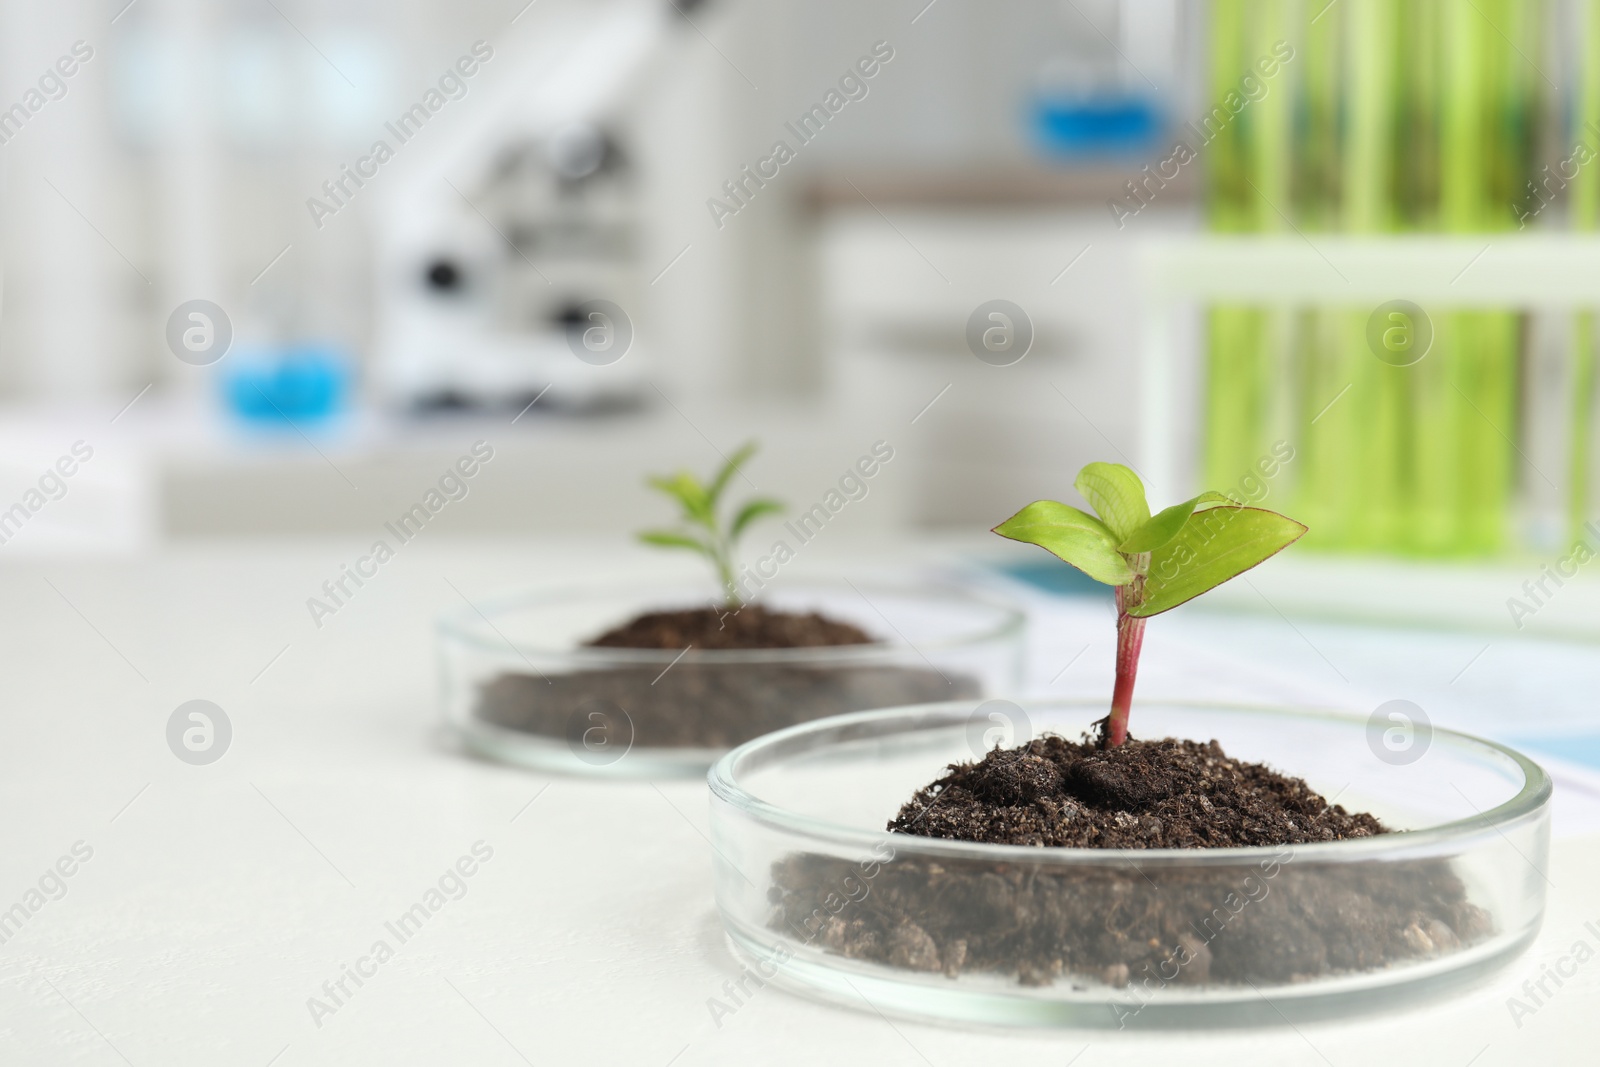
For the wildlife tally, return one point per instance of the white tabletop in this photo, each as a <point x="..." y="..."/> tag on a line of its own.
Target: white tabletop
<point x="218" y="899"/>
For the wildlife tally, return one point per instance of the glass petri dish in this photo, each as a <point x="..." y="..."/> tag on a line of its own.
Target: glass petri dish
<point x="821" y="899"/>
<point x="521" y="686"/>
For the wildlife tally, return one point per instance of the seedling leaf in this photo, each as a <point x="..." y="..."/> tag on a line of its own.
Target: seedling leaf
<point x="1117" y="496"/>
<point x="699" y="503"/>
<point x="1166" y="523"/>
<point x="1071" y="535"/>
<point x="686" y="489"/>
<point x="669" y="539"/>
<point x="1212" y="547"/>
<point x="750" y="513"/>
<point x="1156" y="562"/>
<point x="729" y="469"/>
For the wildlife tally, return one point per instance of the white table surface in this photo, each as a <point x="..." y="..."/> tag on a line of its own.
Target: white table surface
<point x="218" y="899"/>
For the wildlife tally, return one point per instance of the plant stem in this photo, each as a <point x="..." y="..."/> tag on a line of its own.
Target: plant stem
<point x="722" y="559"/>
<point x="1130" y="639"/>
<point x="732" y="600"/>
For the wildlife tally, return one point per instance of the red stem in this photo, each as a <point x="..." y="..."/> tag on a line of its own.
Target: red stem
<point x="1130" y="639"/>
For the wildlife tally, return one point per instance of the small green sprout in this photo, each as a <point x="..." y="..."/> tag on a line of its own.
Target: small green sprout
<point x="1156" y="562"/>
<point x="701" y="531"/>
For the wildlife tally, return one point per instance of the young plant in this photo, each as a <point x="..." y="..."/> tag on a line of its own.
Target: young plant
<point x="1156" y="562"/>
<point x="701" y="530"/>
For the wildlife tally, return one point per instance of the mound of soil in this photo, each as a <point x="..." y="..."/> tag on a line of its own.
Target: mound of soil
<point x="1274" y="919"/>
<point x="752" y="626"/>
<point x="1141" y="794"/>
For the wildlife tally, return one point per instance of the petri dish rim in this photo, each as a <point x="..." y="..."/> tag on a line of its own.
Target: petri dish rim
<point x="474" y="627"/>
<point x="1527" y="804"/>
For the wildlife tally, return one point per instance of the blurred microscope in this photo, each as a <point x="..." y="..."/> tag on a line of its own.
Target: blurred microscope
<point x="510" y="271"/>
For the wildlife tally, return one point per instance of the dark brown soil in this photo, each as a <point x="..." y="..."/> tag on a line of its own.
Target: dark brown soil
<point x="1278" y="920"/>
<point x="1142" y="794"/>
<point x="697" y="705"/>
<point x="1140" y="927"/>
<point x="709" y="705"/>
<point x="751" y="626"/>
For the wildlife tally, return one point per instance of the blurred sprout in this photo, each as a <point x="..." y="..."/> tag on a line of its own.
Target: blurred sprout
<point x="700" y="529"/>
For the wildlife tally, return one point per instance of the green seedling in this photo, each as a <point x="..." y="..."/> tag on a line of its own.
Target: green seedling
<point x="701" y="530"/>
<point x="1155" y="562"/>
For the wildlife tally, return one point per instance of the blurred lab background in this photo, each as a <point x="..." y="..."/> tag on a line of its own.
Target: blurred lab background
<point x="580" y="242"/>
